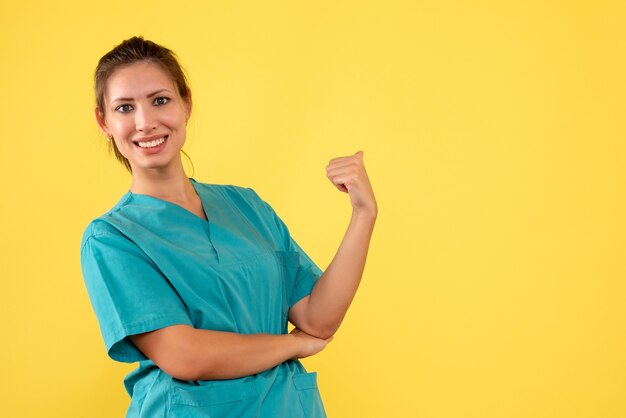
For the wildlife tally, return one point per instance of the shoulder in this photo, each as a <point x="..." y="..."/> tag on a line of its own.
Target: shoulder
<point x="227" y="189"/>
<point x="243" y="200"/>
<point x="104" y="224"/>
<point x="99" y="227"/>
<point x="238" y="195"/>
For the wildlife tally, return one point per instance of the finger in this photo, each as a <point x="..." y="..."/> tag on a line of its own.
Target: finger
<point x="354" y="163"/>
<point x="343" y="182"/>
<point x="358" y="154"/>
<point x="353" y="174"/>
<point x="341" y="187"/>
<point x="344" y="158"/>
<point x="348" y="171"/>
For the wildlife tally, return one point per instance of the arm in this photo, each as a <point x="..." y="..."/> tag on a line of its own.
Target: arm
<point x="321" y="313"/>
<point x="109" y="259"/>
<point x="187" y="353"/>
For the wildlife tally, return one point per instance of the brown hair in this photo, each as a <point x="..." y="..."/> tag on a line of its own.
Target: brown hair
<point x="130" y="51"/>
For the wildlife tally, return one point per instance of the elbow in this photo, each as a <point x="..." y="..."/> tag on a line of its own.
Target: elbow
<point x="325" y="334"/>
<point x="183" y="370"/>
<point x="328" y="332"/>
<point x="180" y="374"/>
<point x="319" y="323"/>
<point x="174" y="350"/>
<point x="187" y="374"/>
<point x="177" y="351"/>
<point x="321" y="331"/>
<point x="185" y="367"/>
<point x="179" y="367"/>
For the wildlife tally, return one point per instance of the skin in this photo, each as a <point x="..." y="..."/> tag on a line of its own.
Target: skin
<point x="142" y="102"/>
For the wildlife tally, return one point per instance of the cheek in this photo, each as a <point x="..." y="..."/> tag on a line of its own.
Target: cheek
<point x="175" y="122"/>
<point x="121" y="127"/>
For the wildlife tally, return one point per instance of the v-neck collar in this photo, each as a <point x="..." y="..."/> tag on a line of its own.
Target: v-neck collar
<point x="233" y="236"/>
<point x="167" y="202"/>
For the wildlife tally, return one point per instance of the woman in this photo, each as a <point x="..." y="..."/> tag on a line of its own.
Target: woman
<point x="198" y="281"/>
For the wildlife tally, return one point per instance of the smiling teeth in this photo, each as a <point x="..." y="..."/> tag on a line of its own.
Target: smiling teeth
<point x="151" y="144"/>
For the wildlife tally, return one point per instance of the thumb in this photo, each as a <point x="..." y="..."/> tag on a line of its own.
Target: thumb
<point x="359" y="154"/>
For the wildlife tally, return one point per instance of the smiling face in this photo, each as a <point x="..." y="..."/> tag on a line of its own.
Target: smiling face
<point x="146" y="116"/>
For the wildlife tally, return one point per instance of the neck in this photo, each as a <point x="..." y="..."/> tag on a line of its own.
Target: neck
<point x="169" y="183"/>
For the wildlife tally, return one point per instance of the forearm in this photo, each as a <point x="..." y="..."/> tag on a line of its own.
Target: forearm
<point x="187" y="353"/>
<point x="224" y="355"/>
<point x="335" y="290"/>
<point x="197" y="354"/>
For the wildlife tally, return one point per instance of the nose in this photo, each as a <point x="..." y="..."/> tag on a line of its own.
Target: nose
<point x="145" y="119"/>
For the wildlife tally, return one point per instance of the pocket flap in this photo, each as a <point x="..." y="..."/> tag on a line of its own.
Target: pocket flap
<point x="305" y="381"/>
<point x="214" y="394"/>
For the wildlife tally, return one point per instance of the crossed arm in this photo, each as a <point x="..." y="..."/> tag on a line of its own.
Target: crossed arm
<point x="188" y="353"/>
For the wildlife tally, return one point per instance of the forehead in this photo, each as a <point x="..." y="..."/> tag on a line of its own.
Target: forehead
<point x="137" y="80"/>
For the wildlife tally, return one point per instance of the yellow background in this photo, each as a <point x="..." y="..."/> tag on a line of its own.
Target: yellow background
<point x="494" y="136"/>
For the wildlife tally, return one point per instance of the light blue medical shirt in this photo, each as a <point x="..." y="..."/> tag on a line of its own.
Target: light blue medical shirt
<point x="149" y="263"/>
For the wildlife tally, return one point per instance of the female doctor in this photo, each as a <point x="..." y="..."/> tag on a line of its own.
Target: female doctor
<point x="198" y="281"/>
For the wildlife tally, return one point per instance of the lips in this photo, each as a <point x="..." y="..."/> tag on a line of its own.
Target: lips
<point x="151" y="145"/>
<point x="151" y="142"/>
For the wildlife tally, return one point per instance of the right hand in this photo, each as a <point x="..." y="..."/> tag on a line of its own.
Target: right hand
<point x="308" y="345"/>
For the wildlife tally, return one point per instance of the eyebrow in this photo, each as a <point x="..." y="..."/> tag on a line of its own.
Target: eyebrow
<point x="129" y="99"/>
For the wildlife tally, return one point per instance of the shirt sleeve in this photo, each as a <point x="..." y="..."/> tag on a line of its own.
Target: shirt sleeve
<point x="128" y="293"/>
<point x="307" y="274"/>
<point x="304" y="271"/>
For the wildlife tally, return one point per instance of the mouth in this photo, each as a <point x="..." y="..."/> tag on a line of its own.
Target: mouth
<point x="151" y="142"/>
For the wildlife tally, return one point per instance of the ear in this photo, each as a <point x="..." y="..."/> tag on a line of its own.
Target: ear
<point x="188" y="105"/>
<point x="101" y="121"/>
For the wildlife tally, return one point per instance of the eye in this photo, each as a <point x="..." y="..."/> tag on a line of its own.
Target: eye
<point x="123" y="108"/>
<point x="159" y="101"/>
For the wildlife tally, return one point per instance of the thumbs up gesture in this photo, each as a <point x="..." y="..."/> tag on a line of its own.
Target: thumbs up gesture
<point x="349" y="176"/>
